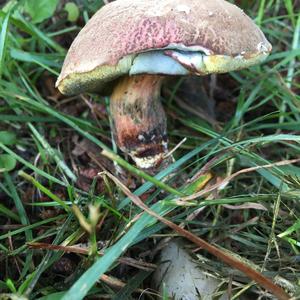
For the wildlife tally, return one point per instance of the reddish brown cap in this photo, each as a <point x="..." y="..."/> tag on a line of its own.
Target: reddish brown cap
<point x="108" y="45"/>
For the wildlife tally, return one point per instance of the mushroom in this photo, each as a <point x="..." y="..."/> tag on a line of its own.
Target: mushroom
<point x="131" y="46"/>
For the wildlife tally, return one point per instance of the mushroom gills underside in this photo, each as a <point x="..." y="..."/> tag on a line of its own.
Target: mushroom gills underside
<point x="176" y="59"/>
<point x="176" y="62"/>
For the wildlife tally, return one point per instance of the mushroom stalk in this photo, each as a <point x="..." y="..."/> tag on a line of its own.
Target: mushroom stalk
<point x="139" y="121"/>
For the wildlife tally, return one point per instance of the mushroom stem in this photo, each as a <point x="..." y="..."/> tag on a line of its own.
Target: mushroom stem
<point x="139" y="121"/>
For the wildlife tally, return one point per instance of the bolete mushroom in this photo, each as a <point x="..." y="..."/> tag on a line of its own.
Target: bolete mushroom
<point x="132" y="45"/>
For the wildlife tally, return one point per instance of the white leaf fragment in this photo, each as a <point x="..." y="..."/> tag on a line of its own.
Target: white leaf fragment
<point x="183" y="278"/>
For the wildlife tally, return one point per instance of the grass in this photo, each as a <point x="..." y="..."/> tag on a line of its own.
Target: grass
<point x="51" y="195"/>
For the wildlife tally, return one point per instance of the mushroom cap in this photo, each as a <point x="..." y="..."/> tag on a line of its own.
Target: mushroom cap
<point x="176" y="37"/>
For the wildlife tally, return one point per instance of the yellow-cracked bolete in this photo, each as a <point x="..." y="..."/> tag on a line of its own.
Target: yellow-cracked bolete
<point x="133" y="45"/>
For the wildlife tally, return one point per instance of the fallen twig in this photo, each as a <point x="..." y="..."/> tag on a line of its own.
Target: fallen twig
<point x="85" y="251"/>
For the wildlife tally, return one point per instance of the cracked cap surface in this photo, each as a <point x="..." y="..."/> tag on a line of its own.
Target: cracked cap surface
<point x="108" y="44"/>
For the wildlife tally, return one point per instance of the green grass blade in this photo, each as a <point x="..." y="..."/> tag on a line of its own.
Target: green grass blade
<point x="7" y="212"/>
<point x="31" y="166"/>
<point x="3" y="38"/>
<point x="24" y="220"/>
<point x="29" y="227"/>
<point x="41" y="59"/>
<point x="44" y="190"/>
<point x="19" y="205"/>
<point x="53" y="154"/>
